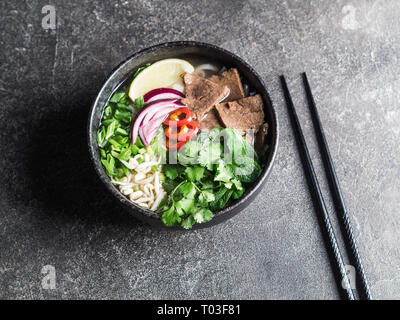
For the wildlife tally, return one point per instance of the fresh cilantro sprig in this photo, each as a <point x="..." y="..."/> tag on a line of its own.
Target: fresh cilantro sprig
<point x="188" y="205"/>
<point x="207" y="176"/>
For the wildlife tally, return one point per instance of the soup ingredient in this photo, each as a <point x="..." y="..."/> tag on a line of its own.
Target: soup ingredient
<point x="179" y="117"/>
<point x="162" y="94"/>
<point x="161" y="74"/>
<point x="202" y="94"/>
<point x="174" y="145"/>
<point x="243" y="114"/>
<point x="182" y="133"/>
<point x="139" y="103"/>
<point x="206" y="178"/>
<point x="231" y="79"/>
<point x="201" y="69"/>
<point x="150" y="119"/>
<point x="211" y="120"/>
<point x="260" y="137"/>
<point x="143" y="184"/>
<point x="136" y="170"/>
<point x="179" y="128"/>
<point x="113" y="135"/>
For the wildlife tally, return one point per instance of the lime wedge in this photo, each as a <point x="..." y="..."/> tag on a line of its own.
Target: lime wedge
<point x="161" y="74"/>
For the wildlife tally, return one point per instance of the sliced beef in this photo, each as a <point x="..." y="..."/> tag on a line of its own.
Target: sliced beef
<point x="202" y="94"/>
<point x="231" y="79"/>
<point x="211" y="120"/>
<point x="243" y="114"/>
<point x="260" y="137"/>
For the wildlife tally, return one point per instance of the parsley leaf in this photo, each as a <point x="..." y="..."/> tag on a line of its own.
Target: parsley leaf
<point x="169" y="185"/>
<point x="188" y="190"/>
<point x="205" y="197"/>
<point x="191" y="148"/>
<point x="171" y="171"/>
<point x="188" y="223"/>
<point x="246" y="169"/>
<point x="194" y="173"/>
<point x="210" y="171"/>
<point x="203" y="215"/>
<point x="224" y="173"/>
<point x="170" y="217"/>
<point x="209" y="154"/>
<point x="184" y="206"/>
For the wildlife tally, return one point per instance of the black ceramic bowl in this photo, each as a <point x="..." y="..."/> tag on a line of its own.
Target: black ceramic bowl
<point x="170" y="50"/>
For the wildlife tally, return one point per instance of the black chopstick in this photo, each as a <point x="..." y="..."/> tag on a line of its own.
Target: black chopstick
<point x="316" y="194"/>
<point x="350" y="242"/>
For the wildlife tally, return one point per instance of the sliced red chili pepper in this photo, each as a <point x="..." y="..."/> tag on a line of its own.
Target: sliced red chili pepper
<point x="179" y="117"/>
<point x="183" y="133"/>
<point x="174" y="145"/>
<point x="193" y="129"/>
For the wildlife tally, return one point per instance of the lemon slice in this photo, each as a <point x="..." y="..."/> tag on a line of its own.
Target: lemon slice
<point x="161" y="74"/>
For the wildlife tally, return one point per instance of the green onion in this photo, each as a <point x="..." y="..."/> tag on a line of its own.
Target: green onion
<point x="139" y="102"/>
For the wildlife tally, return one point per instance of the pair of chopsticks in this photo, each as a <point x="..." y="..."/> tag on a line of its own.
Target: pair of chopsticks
<point x="329" y="235"/>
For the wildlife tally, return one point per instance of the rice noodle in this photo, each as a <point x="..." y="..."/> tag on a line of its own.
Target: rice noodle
<point x="142" y="185"/>
<point x="207" y="66"/>
<point x="160" y="196"/>
<point x="201" y="69"/>
<point x="127" y="164"/>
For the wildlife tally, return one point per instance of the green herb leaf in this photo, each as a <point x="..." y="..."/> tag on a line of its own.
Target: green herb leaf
<point x="194" y="173"/>
<point x="192" y="148"/>
<point x="101" y="134"/>
<point x="108" y="112"/>
<point x="123" y="107"/>
<point x="170" y="217"/>
<point x="171" y="171"/>
<point x="204" y="180"/>
<point x="139" y="102"/>
<point x="169" y="185"/>
<point x="188" y="190"/>
<point x="111" y="129"/>
<point x="224" y="173"/>
<point x="124" y="116"/>
<point x="221" y="198"/>
<point x="205" y="197"/>
<point x="125" y="154"/>
<point x="246" y="169"/>
<point x="117" y="97"/>
<point x="139" y="143"/>
<point x="203" y="215"/>
<point x="122" y="132"/>
<point x="109" y="165"/>
<point x="237" y="193"/>
<point x="210" y="154"/>
<point x="188" y="223"/>
<point x="184" y="206"/>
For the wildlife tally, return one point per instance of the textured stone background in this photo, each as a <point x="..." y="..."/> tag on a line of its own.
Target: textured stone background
<point x="53" y="210"/>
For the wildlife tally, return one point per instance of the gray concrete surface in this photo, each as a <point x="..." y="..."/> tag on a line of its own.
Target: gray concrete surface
<point x="54" y="212"/>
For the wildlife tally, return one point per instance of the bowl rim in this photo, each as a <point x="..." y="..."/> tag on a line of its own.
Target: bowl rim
<point x="93" y="146"/>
